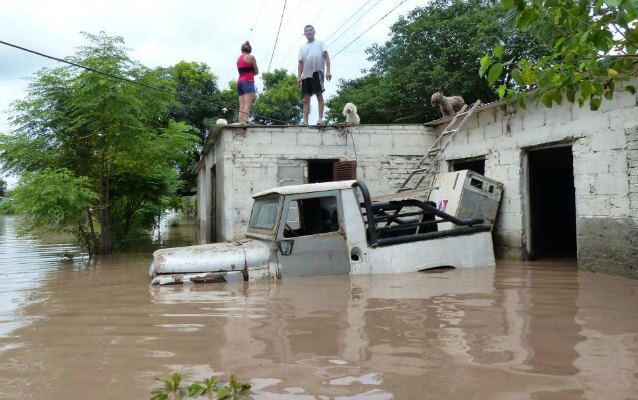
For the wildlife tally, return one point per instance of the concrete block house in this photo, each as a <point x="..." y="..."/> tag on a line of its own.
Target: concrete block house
<point x="570" y="175"/>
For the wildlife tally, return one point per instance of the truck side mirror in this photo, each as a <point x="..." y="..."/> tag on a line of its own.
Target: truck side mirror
<point x="285" y="247"/>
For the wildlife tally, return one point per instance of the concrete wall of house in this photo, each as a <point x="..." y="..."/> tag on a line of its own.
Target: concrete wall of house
<point x="605" y="161"/>
<point x="251" y="159"/>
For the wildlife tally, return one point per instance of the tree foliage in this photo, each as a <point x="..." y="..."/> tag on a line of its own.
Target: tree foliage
<point x="434" y="48"/>
<point x="102" y="150"/>
<point x="3" y="187"/>
<point x="198" y="97"/>
<point x="280" y="101"/>
<point x="593" y="48"/>
<point x="198" y="103"/>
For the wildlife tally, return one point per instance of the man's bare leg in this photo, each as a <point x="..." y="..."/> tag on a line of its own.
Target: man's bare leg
<point x="320" y="104"/>
<point x="306" y="108"/>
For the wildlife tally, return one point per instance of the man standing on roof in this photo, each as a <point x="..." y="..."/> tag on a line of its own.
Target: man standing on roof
<point x="313" y="61"/>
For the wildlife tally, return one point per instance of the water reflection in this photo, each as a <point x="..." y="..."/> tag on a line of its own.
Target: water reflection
<point x="520" y="330"/>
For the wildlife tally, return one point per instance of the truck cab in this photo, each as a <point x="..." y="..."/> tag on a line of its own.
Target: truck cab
<point x="331" y="228"/>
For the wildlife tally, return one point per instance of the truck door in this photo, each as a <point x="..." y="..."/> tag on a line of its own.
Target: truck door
<point x="310" y="238"/>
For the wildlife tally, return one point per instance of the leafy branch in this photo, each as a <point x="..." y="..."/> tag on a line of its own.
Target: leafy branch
<point x="594" y="48"/>
<point x="173" y="388"/>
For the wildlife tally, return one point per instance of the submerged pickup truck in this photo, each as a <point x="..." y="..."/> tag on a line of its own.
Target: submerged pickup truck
<point x="331" y="228"/>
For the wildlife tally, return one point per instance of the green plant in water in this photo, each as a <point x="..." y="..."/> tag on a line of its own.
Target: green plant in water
<point x="173" y="389"/>
<point x="234" y="389"/>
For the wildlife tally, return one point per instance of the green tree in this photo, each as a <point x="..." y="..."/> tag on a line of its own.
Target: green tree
<point x="3" y="187"/>
<point x="594" y="48"/>
<point x="198" y="102"/>
<point x="280" y="101"/>
<point x="434" y="48"/>
<point x="198" y="97"/>
<point x="96" y="156"/>
<point x="228" y="98"/>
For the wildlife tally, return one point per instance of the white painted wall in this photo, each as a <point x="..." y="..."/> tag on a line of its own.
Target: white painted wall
<point x="605" y="147"/>
<point x="605" y="157"/>
<point x="248" y="160"/>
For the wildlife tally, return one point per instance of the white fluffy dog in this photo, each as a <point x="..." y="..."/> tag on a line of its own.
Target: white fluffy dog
<point x="350" y="112"/>
<point x="221" y="121"/>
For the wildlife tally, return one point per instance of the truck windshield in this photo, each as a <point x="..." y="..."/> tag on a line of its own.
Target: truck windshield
<point x="264" y="213"/>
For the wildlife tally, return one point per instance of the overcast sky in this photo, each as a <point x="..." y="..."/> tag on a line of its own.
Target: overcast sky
<point x="162" y="33"/>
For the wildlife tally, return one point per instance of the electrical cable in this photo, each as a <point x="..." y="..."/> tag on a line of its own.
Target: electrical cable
<point x="277" y="37"/>
<point x="256" y="18"/>
<point x="364" y="32"/>
<point x="354" y="23"/>
<point x="302" y="36"/>
<point x="146" y="85"/>
<point x="232" y="67"/>
<point x="320" y="12"/>
<point x="348" y="20"/>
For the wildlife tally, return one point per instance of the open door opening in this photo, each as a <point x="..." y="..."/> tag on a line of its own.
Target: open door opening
<point x="552" y="203"/>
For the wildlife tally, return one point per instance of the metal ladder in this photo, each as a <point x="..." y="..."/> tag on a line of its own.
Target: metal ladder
<point x="426" y="164"/>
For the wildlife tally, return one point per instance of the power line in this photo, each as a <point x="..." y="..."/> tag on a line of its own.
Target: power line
<point x="357" y="38"/>
<point x="355" y="22"/>
<point x="231" y="67"/>
<point x="278" y="30"/>
<point x="346" y="21"/>
<point x="320" y="12"/>
<point x="296" y="45"/>
<point x="146" y="85"/>
<point x="256" y="19"/>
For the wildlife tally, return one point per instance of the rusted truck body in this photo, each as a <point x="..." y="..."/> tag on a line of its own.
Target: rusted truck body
<point x="331" y="228"/>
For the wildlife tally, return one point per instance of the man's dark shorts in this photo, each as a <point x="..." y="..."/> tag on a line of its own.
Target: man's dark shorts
<point x="314" y="85"/>
<point x="244" y="87"/>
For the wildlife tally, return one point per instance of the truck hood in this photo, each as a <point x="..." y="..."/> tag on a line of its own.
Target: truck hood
<point x="213" y="257"/>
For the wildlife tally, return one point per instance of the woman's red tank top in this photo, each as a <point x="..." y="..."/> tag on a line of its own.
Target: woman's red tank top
<point x="246" y="70"/>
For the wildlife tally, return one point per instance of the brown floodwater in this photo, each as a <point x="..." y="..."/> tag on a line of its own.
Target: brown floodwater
<point x="542" y="330"/>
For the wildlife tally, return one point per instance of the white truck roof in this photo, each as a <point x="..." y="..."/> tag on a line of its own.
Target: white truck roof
<point x="307" y="188"/>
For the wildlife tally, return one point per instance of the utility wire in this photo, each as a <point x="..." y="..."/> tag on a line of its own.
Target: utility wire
<point x="357" y="38"/>
<point x="348" y="20"/>
<point x="146" y="85"/>
<point x="299" y="42"/>
<point x="256" y="18"/>
<point x="232" y="67"/>
<point x="277" y="38"/>
<point x="320" y="12"/>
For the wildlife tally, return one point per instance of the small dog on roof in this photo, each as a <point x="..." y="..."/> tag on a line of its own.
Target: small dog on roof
<point x="448" y="105"/>
<point x="350" y="112"/>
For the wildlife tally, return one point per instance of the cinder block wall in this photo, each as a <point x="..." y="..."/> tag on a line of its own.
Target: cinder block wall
<point x="254" y="157"/>
<point x="605" y="159"/>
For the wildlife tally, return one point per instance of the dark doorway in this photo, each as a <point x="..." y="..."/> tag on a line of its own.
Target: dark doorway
<point x="476" y="165"/>
<point x="320" y="171"/>
<point x="552" y="203"/>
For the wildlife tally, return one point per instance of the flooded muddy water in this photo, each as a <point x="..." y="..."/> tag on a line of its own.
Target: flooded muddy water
<point x="543" y="330"/>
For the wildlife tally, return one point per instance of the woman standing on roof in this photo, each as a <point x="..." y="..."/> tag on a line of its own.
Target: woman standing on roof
<point x="247" y="67"/>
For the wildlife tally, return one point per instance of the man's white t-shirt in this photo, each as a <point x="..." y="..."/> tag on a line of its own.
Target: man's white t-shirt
<point x="311" y="54"/>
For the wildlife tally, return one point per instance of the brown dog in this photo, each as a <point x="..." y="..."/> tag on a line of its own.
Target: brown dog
<point x="448" y="105"/>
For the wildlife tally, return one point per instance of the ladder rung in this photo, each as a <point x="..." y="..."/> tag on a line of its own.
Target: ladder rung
<point x="453" y="127"/>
